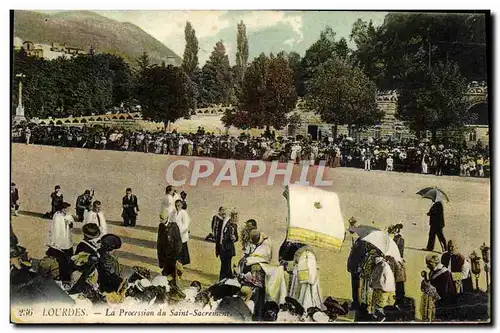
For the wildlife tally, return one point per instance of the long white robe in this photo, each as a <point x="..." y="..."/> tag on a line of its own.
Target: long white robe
<point x="168" y="205"/>
<point x="91" y="217"/>
<point x="182" y="219"/>
<point x="305" y="279"/>
<point x="60" y="231"/>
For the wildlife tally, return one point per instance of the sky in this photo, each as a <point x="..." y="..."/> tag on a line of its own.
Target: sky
<point x="267" y="31"/>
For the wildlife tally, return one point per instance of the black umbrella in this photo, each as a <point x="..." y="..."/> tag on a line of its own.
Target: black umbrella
<point x="224" y="288"/>
<point x="433" y="193"/>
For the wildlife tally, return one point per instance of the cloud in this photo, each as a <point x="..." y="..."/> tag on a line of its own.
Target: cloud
<point x="168" y="26"/>
<point x="259" y="20"/>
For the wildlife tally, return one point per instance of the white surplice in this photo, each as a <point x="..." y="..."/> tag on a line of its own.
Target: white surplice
<point x="182" y="219"/>
<point x="91" y="217"/>
<point x="60" y="231"/>
<point x="305" y="279"/>
<point x="168" y="204"/>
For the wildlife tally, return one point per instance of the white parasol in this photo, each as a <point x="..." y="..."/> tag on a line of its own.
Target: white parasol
<point x="381" y="240"/>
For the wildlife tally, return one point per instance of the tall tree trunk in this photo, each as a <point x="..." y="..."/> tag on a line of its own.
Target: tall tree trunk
<point x="335" y="130"/>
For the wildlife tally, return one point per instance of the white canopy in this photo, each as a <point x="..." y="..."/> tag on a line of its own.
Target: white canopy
<point x="314" y="217"/>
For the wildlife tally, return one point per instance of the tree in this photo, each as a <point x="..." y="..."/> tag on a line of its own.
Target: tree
<point x="77" y="86"/>
<point x="241" y="54"/>
<point x="143" y="62"/>
<point x="343" y="95"/>
<point x="436" y="102"/>
<point x="294" y="122"/>
<point x="368" y="53"/>
<point x="190" y="59"/>
<point x="166" y="94"/>
<point x="121" y="78"/>
<point x="341" y="50"/>
<point x="268" y="95"/>
<point x="320" y="52"/>
<point x="216" y="78"/>
<point x="295" y="63"/>
<point x="385" y="52"/>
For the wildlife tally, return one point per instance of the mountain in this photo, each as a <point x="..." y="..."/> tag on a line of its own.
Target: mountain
<point x="85" y="28"/>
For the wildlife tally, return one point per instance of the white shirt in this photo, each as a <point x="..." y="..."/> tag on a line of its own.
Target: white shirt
<point x="91" y="217"/>
<point x="382" y="277"/>
<point x="181" y="217"/>
<point x="60" y="231"/>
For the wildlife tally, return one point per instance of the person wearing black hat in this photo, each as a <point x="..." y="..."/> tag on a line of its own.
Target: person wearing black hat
<point x="83" y="203"/>
<point x="87" y="246"/>
<point x="61" y="242"/>
<point x="130" y="208"/>
<point x="14" y="199"/>
<point x="57" y="199"/>
<point x="108" y="269"/>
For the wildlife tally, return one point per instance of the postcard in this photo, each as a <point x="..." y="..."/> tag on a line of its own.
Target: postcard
<point x="278" y="167"/>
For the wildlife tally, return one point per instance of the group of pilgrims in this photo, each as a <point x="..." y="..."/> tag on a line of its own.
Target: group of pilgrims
<point x="250" y="288"/>
<point x="407" y="155"/>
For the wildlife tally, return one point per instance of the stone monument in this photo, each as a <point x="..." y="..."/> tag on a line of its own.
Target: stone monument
<point x="19" y="117"/>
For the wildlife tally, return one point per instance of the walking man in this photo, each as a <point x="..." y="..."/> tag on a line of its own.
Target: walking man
<point x="130" y="208"/>
<point x="436" y="222"/>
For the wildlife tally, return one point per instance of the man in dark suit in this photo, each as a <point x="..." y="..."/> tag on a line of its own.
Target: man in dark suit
<point x="83" y="202"/>
<point x="358" y="253"/>
<point x="226" y="234"/>
<point x="436" y="222"/>
<point x="130" y="208"/>
<point x="14" y="199"/>
<point x="57" y="200"/>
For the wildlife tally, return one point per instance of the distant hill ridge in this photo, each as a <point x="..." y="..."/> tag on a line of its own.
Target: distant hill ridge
<point x="85" y="28"/>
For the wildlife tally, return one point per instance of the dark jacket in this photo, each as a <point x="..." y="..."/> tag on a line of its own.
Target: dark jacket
<point x="129" y="205"/>
<point x="400" y="242"/>
<point x="108" y="272"/>
<point x="356" y="257"/>
<point x="287" y="250"/>
<point x="442" y="280"/>
<point x="457" y="261"/>
<point x="169" y="244"/>
<point x="436" y="216"/>
<point x="225" y="239"/>
<point x="235" y="307"/>
<point x="82" y="203"/>
<point x="57" y="200"/>
<point x="14" y="197"/>
<point x="93" y="262"/>
<point x="84" y="246"/>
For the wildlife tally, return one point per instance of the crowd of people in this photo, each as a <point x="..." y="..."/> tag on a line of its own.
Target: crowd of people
<point x="250" y="288"/>
<point x="369" y="154"/>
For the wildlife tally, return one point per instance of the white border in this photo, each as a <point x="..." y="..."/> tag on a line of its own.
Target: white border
<point x="197" y="4"/>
